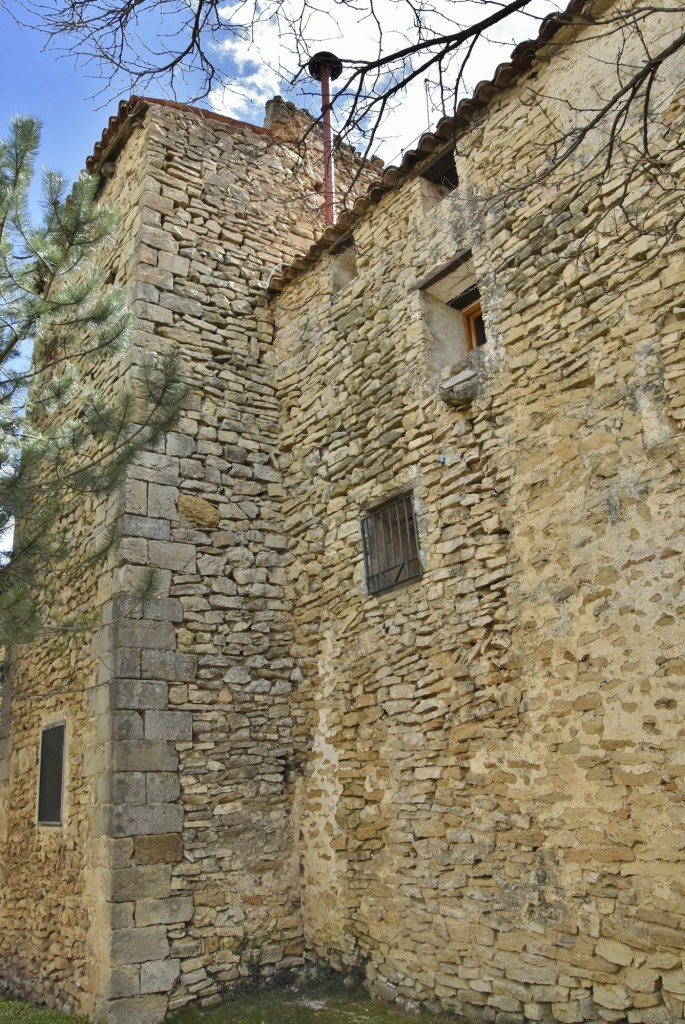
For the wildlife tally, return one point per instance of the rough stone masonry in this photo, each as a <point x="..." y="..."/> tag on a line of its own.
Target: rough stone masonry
<point x="470" y="787"/>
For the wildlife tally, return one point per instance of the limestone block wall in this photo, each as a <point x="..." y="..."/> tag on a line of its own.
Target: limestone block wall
<point x="53" y="920"/>
<point x="175" y="870"/>
<point x="490" y="805"/>
<point x="48" y="939"/>
<point x="204" y="872"/>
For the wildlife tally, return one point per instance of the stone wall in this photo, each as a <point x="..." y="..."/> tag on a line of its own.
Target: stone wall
<point x="48" y="939"/>
<point x="53" y="880"/>
<point x="180" y="875"/>
<point x="204" y="873"/>
<point x="468" y="785"/>
<point x="175" y="869"/>
<point x="490" y="802"/>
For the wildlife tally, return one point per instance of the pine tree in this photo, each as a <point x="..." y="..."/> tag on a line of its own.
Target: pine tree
<point x="61" y="439"/>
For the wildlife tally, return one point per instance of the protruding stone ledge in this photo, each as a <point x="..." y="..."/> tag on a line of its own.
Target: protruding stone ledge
<point x="460" y="390"/>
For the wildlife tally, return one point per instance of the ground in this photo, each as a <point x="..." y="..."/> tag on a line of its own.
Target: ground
<point x="23" y="1013"/>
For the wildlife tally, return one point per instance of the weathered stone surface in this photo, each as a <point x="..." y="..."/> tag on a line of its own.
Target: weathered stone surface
<point x="482" y="809"/>
<point x="198" y="511"/>
<point x="467" y="783"/>
<point x="161" y="849"/>
<point x="615" y="952"/>
<point x="170" y="555"/>
<point x="149" y="1009"/>
<point x="145" y="755"/>
<point x="168" y="725"/>
<point x="141" y="526"/>
<point x="162" y="501"/>
<point x="130" y="883"/>
<point x="145" y="819"/>
<point x="161" y="787"/>
<point x="136" y="945"/>
<point x="174" y="910"/>
<point x="133" y="693"/>
<point x="146" y="635"/>
<point x="159" y="975"/>
<point x="177" y="668"/>
<point x="123" y="982"/>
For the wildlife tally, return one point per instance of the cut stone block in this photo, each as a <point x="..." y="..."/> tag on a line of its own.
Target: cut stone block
<point x="123" y="981"/>
<point x="178" y="668"/>
<point x="129" y="883"/>
<point x="177" y="557"/>
<point x="148" y="1009"/>
<point x="149" y="694"/>
<point x="136" y="945"/>
<point x="146" y="634"/>
<point x="169" y="725"/>
<point x="145" y="819"/>
<point x="175" y="910"/>
<point x="145" y="756"/>
<point x="162" y="787"/>
<point x="159" y="975"/>
<point x="161" y="849"/>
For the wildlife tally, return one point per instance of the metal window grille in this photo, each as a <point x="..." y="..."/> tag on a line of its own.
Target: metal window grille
<point x="391" y="545"/>
<point x="50" y="785"/>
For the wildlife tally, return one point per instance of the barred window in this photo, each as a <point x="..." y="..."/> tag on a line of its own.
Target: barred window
<point x="391" y="545"/>
<point x="51" y="780"/>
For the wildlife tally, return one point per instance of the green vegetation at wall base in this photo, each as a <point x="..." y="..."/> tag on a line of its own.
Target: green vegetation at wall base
<point x="25" y="1013"/>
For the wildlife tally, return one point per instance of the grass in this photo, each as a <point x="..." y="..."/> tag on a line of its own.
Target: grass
<point x="24" y="1013"/>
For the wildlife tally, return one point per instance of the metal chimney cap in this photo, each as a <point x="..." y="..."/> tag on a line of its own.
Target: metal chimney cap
<point x="325" y="59"/>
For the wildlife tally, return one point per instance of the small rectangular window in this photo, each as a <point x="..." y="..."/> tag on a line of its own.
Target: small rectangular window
<point x="51" y="780"/>
<point x="391" y="545"/>
<point x="469" y="305"/>
<point x="451" y="302"/>
<point x="441" y="169"/>
<point x="343" y="264"/>
<point x="474" y="325"/>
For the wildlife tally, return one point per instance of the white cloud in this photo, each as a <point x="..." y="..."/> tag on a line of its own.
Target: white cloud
<point x="263" y="55"/>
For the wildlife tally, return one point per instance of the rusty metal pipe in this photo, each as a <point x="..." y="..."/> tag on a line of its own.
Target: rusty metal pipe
<point x="329" y="168"/>
<point x="325" y="68"/>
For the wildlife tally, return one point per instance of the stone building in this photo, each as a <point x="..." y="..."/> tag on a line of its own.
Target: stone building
<point x="409" y="698"/>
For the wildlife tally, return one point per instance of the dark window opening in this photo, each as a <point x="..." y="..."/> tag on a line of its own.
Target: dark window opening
<point x="391" y="545"/>
<point x="442" y="169"/>
<point x="465" y="299"/>
<point x="343" y="264"/>
<point x="50" y="786"/>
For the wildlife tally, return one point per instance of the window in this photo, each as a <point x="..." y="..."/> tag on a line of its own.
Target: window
<point x="475" y="327"/>
<point x="472" y="314"/>
<point x="51" y="780"/>
<point x="441" y="169"/>
<point x="391" y="545"/>
<point x="453" y="311"/>
<point x="343" y="264"/>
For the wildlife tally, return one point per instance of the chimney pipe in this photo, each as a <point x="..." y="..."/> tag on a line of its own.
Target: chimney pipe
<point x="325" y="68"/>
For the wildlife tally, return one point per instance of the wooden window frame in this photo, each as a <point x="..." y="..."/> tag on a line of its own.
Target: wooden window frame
<point x="470" y="314"/>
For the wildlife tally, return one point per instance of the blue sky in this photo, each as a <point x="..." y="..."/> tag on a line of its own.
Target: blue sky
<point x="74" y="107"/>
<point x="53" y="89"/>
